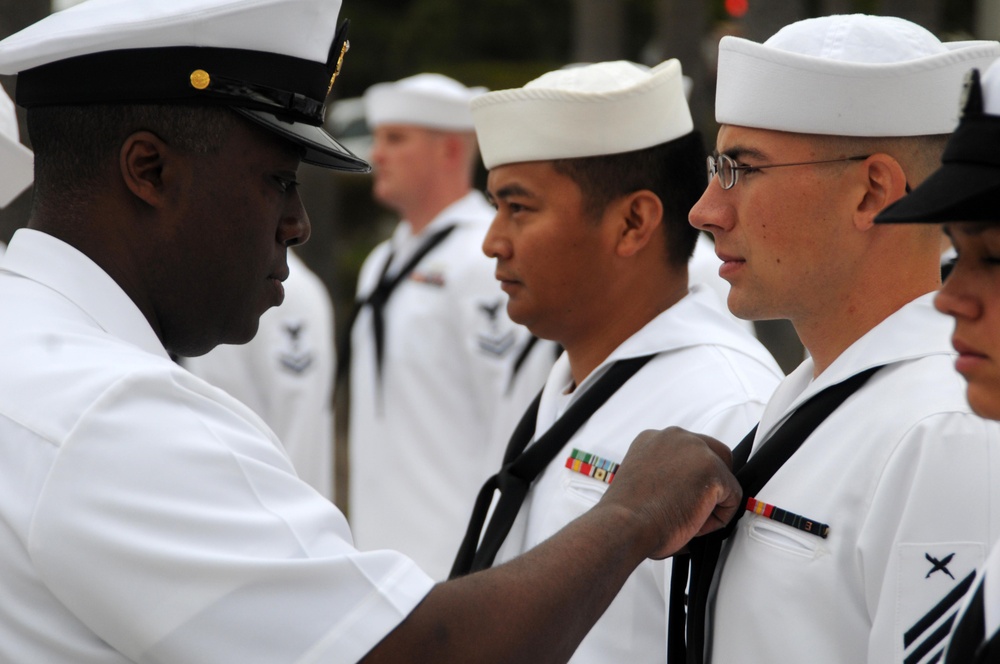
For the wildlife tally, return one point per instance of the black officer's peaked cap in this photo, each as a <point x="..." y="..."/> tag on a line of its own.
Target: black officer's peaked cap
<point x="248" y="55"/>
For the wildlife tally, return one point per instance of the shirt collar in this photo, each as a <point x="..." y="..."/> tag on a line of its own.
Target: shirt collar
<point x="915" y="330"/>
<point x="469" y="209"/>
<point x="55" y="264"/>
<point x="695" y="320"/>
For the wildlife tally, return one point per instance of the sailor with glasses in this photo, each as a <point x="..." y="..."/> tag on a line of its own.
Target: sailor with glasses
<point x="870" y="488"/>
<point x="728" y="170"/>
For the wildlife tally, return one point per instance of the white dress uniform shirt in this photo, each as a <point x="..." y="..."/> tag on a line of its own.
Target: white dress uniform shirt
<point x="710" y="376"/>
<point x="149" y="516"/>
<point x="965" y="642"/>
<point x="424" y="438"/>
<point x="285" y="374"/>
<point x="908" y="480"/>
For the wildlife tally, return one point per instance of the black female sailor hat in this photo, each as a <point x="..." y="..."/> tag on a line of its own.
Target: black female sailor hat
<point x="272" y="61"/>
<point x="966" y="187"/>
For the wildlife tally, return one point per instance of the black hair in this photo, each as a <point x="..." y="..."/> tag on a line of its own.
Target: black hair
<point x="76" y="145"/>
<point x="674" y="171"/>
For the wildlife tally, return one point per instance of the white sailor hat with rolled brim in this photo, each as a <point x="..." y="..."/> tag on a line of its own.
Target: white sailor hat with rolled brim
<point x="272" y="61"/>
<point x="586" y="111"/>
<point x="847" y="75"/>
<point x="427" y="100"/>
<point x="16" y="161"/>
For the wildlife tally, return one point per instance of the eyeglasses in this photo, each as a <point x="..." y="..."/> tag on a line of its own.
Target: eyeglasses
<point x="727" y="170"/>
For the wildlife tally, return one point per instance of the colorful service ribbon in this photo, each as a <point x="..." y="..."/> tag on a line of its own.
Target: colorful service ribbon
<point x="592" y="465"/>
<point x="787" y="518"/>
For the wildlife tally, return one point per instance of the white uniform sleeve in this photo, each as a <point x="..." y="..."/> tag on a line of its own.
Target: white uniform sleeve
<point x="914" y="579"/>
<point x="191" y="540"/>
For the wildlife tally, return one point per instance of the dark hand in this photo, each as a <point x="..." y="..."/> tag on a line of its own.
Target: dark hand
<point x="678" y="484"/>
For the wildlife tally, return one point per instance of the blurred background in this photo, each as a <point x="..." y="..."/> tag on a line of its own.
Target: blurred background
<point x="505" y="43"/>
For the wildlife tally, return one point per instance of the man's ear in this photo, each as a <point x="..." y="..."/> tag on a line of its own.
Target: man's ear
<point x="640" y="214"/>
<point x="142" y="159"/>
<point x="456" y="148"/>
<point x="885" y="183"/>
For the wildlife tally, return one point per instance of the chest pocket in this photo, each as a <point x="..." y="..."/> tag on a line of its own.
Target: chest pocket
<point x="778" y="536"/>
<point x="582" y="489"/>
<point x="586" y="477"/>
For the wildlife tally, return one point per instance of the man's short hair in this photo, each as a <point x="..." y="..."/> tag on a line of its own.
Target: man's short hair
<point x="75" y="145"/>
<point x="674" y="171"/>
<point x="919" y="156"/>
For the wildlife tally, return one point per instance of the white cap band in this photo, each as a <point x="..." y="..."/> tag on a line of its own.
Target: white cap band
<point x="425" y="100"/>
<point x="16" y="161"/>
<point x="851" y="75"/>
<point x="587" y="111"/>
<point x="299" y="28"/>
<point x="272" y="61"/>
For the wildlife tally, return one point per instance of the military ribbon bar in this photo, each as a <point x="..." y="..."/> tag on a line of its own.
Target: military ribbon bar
<point x="592" y="465"/>
<point x="787" y="518"/>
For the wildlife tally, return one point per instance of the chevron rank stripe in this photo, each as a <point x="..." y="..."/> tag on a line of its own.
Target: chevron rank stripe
<point x="788" y="518"/>
<point x="592" y="465"/>
<point x="929" y="634"/>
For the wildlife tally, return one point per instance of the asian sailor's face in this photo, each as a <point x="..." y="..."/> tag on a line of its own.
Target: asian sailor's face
<point x="781" y="233"/>
<point x="971" y="295"/>
<point x="238" y="212"/>
<point x="552" y="259"/>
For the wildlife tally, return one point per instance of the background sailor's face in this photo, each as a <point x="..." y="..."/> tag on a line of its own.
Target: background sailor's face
<point x="405" y="161"/>
<point x="972" y="296"/>
<point x="781" y="233"/>
<point x="553" y="260"/>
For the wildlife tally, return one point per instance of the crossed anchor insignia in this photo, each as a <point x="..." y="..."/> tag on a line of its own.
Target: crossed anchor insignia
<point x="939" y="565"/>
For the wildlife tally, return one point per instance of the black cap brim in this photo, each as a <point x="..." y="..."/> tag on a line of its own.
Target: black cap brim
<point x="955" y="192"/>
<point x="321" y="149"/>
<point x="967" y="185"/>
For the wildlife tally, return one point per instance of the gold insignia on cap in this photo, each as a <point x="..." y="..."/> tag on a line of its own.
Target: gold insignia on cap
<point x="340" y="61"/>
<point x="200" y="79"/>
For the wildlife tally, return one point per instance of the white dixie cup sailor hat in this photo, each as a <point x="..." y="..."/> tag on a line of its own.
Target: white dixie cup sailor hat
<point x="427" y="100"/>
<point x="847" y="75"/>
<point x="272" y="61"/>
<point x="16" y="161"/>
<point x="586" y="111"/>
